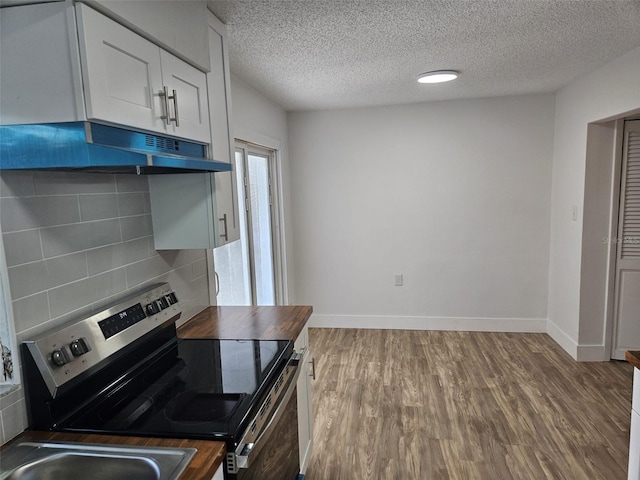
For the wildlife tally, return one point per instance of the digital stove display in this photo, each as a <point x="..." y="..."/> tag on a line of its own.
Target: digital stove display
<point x="121" y="320"/>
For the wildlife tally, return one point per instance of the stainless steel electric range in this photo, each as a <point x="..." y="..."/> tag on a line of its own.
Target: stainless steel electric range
<point x="124" y="371"/>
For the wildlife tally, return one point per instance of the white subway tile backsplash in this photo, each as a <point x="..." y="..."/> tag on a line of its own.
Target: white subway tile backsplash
<point x="66" y="183"/>
<point x="197" y="254"/>
<point x="132" y="183"/>
<point x="75" y="295"/>
<point x="35" y="277"/>
<point x="80" y="236"/>
<point x="136" y="227"/>
<point x="16" y="184"/>
<point x="193" y="297"/>
<point x="76" y="242"/>
<point x="22" y="247"/>
<point x="35" y="212"/>
<point x="179" y="276"/>
<point x="98" y="207"/>
<point x="176" y="258"/>
<point x="199" y="268"/>
<point x="14" y="419"/>
<point x="13" y="396"/>
<point x="151" y="268"/>
<point x="132" y="204"/>
<point x="29" y="312"/>
<point x="118" y="255"/>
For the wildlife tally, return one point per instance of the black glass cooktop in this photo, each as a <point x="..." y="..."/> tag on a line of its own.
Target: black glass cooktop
<point x="198" y="388"/>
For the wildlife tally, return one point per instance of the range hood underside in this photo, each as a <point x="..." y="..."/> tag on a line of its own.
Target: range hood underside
<point x="89" y="147"/>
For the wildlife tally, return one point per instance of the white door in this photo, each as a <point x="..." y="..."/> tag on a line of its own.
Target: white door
<point x="246" y="270"/>
<point x="121" y="73"/>
<point x="190" y="104"/>
<point x="627" y="290"/>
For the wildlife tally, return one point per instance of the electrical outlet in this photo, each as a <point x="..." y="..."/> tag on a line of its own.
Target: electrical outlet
<point x="399" y="280"/>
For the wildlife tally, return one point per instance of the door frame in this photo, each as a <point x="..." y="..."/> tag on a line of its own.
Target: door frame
<point x="612" y="278"/>
<point x="610" y="298"/>
<point x="249" y="148"/>
<point x="277" y="221"/>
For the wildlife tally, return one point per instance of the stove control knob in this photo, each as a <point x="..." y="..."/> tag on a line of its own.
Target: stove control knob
<point x="169" y="300"/>
<point x="163" y="303"/>
<point x="79" y="347"/>
<point x="60" y="357"/>
<point x="152" y="308"/>
<point x="173" y="298"/>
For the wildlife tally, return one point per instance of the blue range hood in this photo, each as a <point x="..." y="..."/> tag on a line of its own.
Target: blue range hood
<point x="94" y="147"/>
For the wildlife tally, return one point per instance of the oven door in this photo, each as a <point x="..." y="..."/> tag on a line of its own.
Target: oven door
<point x="268" y="450"/>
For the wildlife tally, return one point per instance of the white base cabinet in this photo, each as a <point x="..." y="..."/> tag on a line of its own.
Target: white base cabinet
<point x="219" y="475"/>
<point x="305" y="412"/>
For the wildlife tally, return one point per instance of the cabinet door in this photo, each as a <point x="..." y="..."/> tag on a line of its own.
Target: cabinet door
<point x="121" y="73"/>
<point x="190" y="104"/>
<point x="222" y="144"/>
<point x="182" y="211"/>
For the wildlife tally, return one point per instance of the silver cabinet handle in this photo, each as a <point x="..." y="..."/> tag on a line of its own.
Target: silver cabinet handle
<point x="313" y="368"/>
<point x="175" y="108"/>
<point x="225" y="235"/>
<point x="167" y="117"/>
<point x="217" y="282"/>
<point x="165" y="95"/>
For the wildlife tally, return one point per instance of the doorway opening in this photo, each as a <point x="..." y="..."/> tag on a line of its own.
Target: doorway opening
<point x="626" y="319"/>
<point x="246" y="270"/>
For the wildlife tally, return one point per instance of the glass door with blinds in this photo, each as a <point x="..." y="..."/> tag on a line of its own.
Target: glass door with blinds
<point x="245" y="269"/>
<point x="627" y="288"/>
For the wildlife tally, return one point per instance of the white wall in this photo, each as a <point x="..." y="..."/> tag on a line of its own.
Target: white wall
<point x="258" y="120"/>
<point x="453" y="195"/>
<point x="609" y="92"/>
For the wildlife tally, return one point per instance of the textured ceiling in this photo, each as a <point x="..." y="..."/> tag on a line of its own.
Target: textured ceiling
<point x="320" y="54"/>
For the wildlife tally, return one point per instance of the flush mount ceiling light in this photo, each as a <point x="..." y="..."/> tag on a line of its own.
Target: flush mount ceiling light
<point x="438" y="76"/>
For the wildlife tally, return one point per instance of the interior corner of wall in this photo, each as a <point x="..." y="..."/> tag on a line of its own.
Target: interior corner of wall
<point x="563" y="339"/>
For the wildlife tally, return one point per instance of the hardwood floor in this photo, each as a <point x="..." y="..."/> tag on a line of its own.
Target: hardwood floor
<point x="405" y="405"/>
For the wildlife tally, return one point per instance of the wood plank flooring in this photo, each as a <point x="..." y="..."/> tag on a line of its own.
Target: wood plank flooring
<point x="422" y="405"/>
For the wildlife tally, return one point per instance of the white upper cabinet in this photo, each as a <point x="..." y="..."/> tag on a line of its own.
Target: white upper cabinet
<point x="223" y="145"/>
<point x="201" y="210"/>
<point x="131" y="81"/>
<point x="186" y="98"/>
<point x="122" y="73"/>
<point x="117" y="76"/>
<point x="218" y="83"/>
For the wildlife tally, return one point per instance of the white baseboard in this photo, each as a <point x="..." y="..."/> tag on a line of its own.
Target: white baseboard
<point x="592" y="353"/>
<point x="467" y="324"/>
<point x="562" y="339"/>
<point x="581" y="353"/>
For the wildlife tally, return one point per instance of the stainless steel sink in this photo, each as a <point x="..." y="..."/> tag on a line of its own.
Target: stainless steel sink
<point x="75" y="461"/>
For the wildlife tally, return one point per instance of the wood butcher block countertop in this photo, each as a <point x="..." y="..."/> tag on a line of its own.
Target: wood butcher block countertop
<point x="255" y="323"/>
<point x="633" y="357"/>
<point x="201" y="467"/>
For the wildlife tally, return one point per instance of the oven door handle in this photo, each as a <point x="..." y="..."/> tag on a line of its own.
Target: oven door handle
<point x="245" y="451"/>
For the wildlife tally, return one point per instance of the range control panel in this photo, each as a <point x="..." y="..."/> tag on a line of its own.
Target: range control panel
<point x="73" y="348"/>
